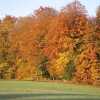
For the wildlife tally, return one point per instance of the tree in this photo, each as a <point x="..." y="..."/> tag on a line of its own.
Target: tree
<point x="28" y="37"/>
<point x="62" y="67"/>
<point x="5" y="28"/>
<point x="87" y="65"/>
<point x="77" y="22"/>
<point x="98" y="20"/>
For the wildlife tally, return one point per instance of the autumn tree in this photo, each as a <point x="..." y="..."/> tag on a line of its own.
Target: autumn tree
<point x="28" y="37"/>
<point x="69" y="30"/>
<point x="23" y="46"/>
<point x="87" y="65"/>
<point x="51" y="44"/>
<point x="43" y="16"/>
<point x="98" y="20"/>
<point x="97" y="29"/>
<point x="77" y="21"/>
<point x="62" y="67"/>
<point x="6" y="61"/>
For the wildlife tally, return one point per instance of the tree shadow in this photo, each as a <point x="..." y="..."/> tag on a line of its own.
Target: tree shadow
<point x="47" y="96"/>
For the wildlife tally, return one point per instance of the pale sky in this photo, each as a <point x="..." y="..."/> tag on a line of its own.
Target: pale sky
<point x="26" y="7"/>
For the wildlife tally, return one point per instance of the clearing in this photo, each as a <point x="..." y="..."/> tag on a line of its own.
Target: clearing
<point x="30" y="90"/>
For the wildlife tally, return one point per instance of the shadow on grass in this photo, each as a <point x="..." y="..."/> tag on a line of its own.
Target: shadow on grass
<point x="48" y="96"/>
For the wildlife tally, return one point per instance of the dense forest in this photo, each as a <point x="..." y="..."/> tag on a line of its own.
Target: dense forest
<point x="51" y="45"/>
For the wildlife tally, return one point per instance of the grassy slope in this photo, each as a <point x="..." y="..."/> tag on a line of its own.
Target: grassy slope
<point x="28" y="90"/>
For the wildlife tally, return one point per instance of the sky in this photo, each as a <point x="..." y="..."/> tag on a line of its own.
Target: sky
<point x="26" y="7"/>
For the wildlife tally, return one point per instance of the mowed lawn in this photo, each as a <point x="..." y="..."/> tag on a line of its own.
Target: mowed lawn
<point x="30" y="90"/>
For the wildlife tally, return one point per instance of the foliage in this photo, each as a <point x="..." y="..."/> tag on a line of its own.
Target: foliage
<point x="62" y="67"/>
<point x="51" y="45"/>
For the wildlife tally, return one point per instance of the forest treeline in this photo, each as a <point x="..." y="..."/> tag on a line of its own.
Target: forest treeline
<point x="51" y="44"/>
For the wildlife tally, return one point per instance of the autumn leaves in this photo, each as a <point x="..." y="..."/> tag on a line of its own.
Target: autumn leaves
<point x="52" y="45"/>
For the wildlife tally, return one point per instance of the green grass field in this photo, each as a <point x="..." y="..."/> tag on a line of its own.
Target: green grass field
<point x="28" y="90"/>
